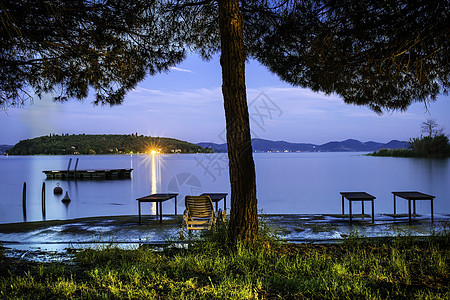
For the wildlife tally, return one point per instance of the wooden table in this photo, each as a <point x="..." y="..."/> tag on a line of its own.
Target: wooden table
<point x="216" y="197"/>
<point x="357" y="196"/>
<point x="158" y="198"/>
<point x="413" y="196"/>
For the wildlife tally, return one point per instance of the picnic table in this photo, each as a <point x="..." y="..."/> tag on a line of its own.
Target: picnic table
<point x="357" y="196"/>
<point x="216" y="197"/>
<point x="159" y="199"/>
<point x="413" y="196"/>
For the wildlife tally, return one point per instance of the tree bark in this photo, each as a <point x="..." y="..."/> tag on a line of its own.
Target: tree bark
<point x="243" y="214"/>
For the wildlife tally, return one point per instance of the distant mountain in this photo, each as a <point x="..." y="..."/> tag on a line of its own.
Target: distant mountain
<point x="260" y="145"/>
<point x="349" y="145"/>
<point x="218" y="148"/>
<point x="3" y="148"/>
<point x="394" y="144"/>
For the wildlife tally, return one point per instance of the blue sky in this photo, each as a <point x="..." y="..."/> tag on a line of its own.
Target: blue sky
<point x="187" y="104"/>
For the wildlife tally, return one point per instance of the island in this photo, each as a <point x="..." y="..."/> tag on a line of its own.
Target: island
<point x="55" y="144"/>
<point x="424" y="146"/>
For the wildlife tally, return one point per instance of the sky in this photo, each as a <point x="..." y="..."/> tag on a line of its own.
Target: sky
<point x="186" y="103"/>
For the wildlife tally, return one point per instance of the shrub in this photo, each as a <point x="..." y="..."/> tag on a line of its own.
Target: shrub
<point x="437" y="146"/>
<point x="429" y="146"/>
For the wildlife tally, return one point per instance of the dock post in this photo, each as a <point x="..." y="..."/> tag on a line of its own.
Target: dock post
<point x="75" y="170"/>
<point x="43" y="199"/>
<point x="24" y="201"/>
<point x="68" y="167"/>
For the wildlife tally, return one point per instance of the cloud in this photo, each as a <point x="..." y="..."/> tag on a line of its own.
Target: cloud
<point x="181" y="70"/>
<point x="296" y="93"/>
<point x="300" y="102"/>
<point x="182" y="99"/>
<point x="141" y="90"/>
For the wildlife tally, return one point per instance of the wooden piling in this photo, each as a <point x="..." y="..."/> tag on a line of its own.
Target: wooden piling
<point x="75" y="170"/>
<point x="68" y="167"/>
<point x="43" y="199"/>
<point x="24" y="201"/>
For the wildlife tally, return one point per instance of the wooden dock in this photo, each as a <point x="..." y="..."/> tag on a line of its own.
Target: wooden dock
<point x="89" y="174"/>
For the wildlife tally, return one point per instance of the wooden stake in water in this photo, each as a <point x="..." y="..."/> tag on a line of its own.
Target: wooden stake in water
<point x="43" y="200"/>
<point x="75" y="170"/>
<point x="68" y="167"/>
<point x="24" y="201"/>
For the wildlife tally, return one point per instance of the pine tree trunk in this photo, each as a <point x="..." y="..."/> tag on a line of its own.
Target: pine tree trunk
<point x="243" y="214"/>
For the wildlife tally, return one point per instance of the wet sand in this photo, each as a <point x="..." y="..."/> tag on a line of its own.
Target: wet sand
<point x="126" y="231"/>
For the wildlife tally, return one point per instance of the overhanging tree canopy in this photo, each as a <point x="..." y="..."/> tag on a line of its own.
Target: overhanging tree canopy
<point x="383" y="54"/>
<point x="69" y="47"/>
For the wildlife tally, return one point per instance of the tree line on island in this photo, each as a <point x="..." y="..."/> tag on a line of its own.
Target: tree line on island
<point x="54" y="144"/>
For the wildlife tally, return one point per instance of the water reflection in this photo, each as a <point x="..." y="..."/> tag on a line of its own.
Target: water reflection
<point x="154" y="160"/>
<point x="66" y="202"/>
<point x="73" y="189"/>
<point x="433" y="168"/>
<point x="431" y="178"/>
<point x="154" y="174"/>
<point x="154" y="187"/>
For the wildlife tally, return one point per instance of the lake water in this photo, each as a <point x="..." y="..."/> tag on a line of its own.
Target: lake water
<point x="297" y="183"/>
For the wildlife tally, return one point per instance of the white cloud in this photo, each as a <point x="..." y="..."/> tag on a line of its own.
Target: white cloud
<point x="180" y="70"/>
<point x="143" y="97"/>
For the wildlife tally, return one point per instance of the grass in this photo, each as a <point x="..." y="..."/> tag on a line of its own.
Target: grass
<point x="359" y="268"/>
<point x="395" y="153"/>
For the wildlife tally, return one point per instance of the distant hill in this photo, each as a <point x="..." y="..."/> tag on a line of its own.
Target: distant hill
<point x="3" y="148"/>
<point x="102" y="144"/>
<point x="261" y="145"/>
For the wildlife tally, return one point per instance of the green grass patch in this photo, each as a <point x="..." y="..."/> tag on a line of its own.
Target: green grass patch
<point x="395" y="153"/>
<point x="208" y="268"/>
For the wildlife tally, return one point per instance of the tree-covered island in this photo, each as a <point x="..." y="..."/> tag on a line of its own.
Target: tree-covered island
<point x="54" y="144"/>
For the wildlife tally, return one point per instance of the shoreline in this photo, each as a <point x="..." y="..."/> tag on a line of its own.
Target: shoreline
<point x="125" y="230"/>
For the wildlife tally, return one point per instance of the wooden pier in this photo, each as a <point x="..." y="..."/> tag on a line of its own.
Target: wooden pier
<point x="89" y="174"/>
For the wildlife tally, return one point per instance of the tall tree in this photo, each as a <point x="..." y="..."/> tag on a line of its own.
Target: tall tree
<point x="383" y="54"/>
<point x="243" y="214"/>
<point x="432" y="128"/>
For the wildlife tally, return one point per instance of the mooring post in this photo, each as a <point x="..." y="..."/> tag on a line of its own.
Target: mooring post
<point x="75" y="170"/>
<point x="43" y="200"/>
<point x="24" y="201"/>
<point x="68" y="167"/>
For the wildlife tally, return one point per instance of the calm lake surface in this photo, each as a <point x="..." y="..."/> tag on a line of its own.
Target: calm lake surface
<point x="297" y="183"/>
